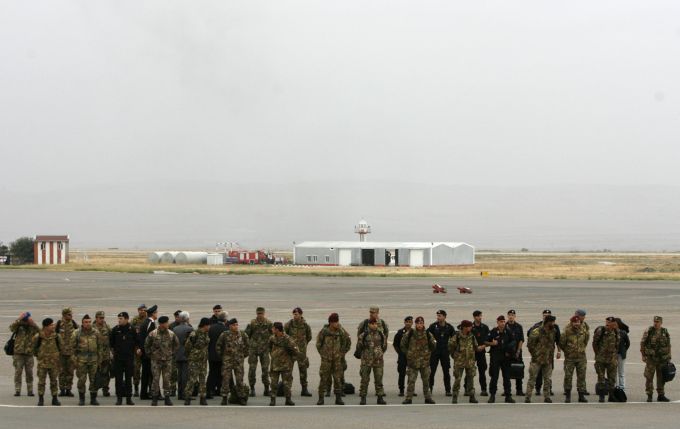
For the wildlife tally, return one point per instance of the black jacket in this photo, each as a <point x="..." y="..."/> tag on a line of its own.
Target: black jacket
<point x="123" y="342"/>
<point x="401" y="356"/>
<point x="442" y="334"/>
<point x="214" y="333"/>
<point x="505" y="349"/>
<point x="144" y="331"/>
<point x="481" y="333"/>
<point x="624" y="343"/>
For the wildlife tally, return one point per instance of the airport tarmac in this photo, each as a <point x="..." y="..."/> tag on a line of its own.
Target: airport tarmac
<point x="44" y="293"/>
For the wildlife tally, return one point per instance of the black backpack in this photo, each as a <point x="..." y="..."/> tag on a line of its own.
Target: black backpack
<point x="668" y="372"/>
<point x="9" y="346"/>
<point x="619" y="395"/>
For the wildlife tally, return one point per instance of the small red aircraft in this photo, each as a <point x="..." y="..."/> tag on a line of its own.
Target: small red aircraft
<point x="438" y="289"/>
<point x="464" y="290"/>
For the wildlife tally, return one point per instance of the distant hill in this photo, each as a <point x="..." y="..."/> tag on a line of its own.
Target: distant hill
<point x="197" y="214"/>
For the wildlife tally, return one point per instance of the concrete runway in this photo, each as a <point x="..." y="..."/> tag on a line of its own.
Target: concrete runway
<point x="45" y="293"/>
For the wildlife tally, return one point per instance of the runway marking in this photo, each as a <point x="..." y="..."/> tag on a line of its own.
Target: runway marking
<point x="248" y="407"/>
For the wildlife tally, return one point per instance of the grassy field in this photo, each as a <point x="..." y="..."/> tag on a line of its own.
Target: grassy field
<point x="586" y="266"/>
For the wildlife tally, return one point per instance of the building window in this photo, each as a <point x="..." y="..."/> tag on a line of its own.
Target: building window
<point x="309" y="258"/>
<point x="42" y="246"/>
<point x="328" y="258"/>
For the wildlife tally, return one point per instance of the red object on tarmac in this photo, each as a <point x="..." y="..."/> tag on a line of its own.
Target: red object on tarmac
<point x="438" y="289"/>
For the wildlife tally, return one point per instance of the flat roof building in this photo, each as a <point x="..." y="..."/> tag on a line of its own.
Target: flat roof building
<point x="410" y="254"/>
<point x="50" y="249"/>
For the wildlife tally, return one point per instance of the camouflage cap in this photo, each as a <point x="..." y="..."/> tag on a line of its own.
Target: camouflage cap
<point x="658" y="319"/>
<point x="100" y="313"/>
<point x="259" y="310"/>
<point x="374" y="309"/>
<point x="67" y="310"/>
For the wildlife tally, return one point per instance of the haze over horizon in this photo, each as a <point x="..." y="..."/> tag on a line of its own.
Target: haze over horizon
<point x="550" y="126"/>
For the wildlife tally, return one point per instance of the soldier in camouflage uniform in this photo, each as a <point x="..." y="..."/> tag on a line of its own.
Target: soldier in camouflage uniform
<point x="418" y="344"/>
<point x="233" y="345"/>
<point x="606" y="347"/>
<point x="24" y="329"/>
<point x="160" y="346"/>
<point x="541" y="344"/>
<point x="259" y="330"/>
<point x="656" y="352"/>
<point x="46" y="346"/>
<point x="196" y="350"/>
<point x="332" y="343"/>
<point x="573" y="342"/>
<point x="284" y="352"/>
<point x="371" y="345"/>
<point x="136" y="323"/>
<point x="462" y="348"/>
<point x="298" y="329"/>
<point x="67" y="362"/>
<point x="105" y="366"/>
<point x="87" y="347"/>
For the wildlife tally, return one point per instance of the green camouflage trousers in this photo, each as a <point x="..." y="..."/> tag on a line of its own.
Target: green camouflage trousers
<point x="229" y="373"/>
<point x="252" y="367"/>
<point x="84" y="371"/>
<point x="580" y="366"/>
<point x="650" y="369"/>
<point x="610" y="369"/>
<point x="42" y="379"/>
<point x="197" y="373"/>
<point x="173" y="374"/>
<point x="302" y="367"/>
<point x="546" y="370"/>
<point x="160" y="368"/>
<point x="365" y="373"/>
<point x="331" y="372"/>
<point x="470" y="373"/>
<point x="105" y="367"/>
<point x="137" y="374"/>
<point x="286" y="378"/>
<point x="342" y="377"/>
<point x="23" y="363"/>
<point x="67" y="367"/>
<point x="413" y="376"/>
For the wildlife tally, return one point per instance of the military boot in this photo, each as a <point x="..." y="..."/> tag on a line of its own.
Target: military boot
<point x="266" y="391"/>
<point x="41" y="400"/>
<point x="567" y="396"/>
<point x="168" y="402"/>
<point x="62" y="392"/>
<point x="55" y="401"/>
<point x="93" y="399"/>
<point x="187" y="401"/>
<point x="473" y="400"/>
<point x="320" y="401"/>
<point x="492" y="399"/>
<point x="252" y="391"/>
<point x="509" y="400"/>
<point x="136" y="390"/>
<point x="547" y="400"/>
<point x="203" y="401"/>
<point x="338" y="400"/>
<point x="106" y="393"/>
<point x="81" y="398"/>
<point x="363" y="401"/>
<point x="272" y="401"/>
<point x="305" y="392"/>
<point x="527" y="399"/>
<point x="289" y="401"/>
<point x="381" y="400"/>
<point x="662" y="398"/>
<point x="407" y="401"/>
<point x="17" y="393"/>
<point x="601" y="398"/>
<point x="128" y="401"/>
<point x="401" y="392"/>
<point x="225" y="401"/>
<point x="484" y="393"/>
<point x="328" y="393"/>
<point x="454" y="399"/>
<point x="68" y="393"/>
<point x="119" y="400"/>
<point x="582" y="397"/>
<point x="154" y="401"/>
<point x="429" y="401"/>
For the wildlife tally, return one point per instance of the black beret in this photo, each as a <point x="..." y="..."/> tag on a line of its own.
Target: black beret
<point x="124" y="315"/>
<point x="47" y="322"/>
<point x="546" y="311"/>
<point x="297" y="310"/>
<point x="442" y="312"/>
<point x="152" y="309"/>
<point x="499" y="318"/>
<point x="278" y="326"/>
<point x="204" y="322"/>
<point x="550" y="318"/>
<point x="87" y="316"/>
<point x="217" y="307"/>
<point x="511" y="312"/>
<point x="163" y="319"/>
<point x="407" y="318"/>
<point x="233" y="321"/>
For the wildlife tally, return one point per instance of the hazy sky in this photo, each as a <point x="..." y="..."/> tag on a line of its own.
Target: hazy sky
<point x="431" y="92"/>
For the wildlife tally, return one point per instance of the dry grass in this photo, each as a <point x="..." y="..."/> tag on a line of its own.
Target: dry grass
<point x="592" y="266"/>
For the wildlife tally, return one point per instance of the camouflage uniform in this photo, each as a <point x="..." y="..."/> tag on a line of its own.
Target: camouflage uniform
<point x="258" y="334"/>
<point x="160" y="346"/>
<point x="656" y="347"/>
<point x="67" y="362"/>
<point x="196" y="349"/>
<point x="573" y="343"/>
<point x="284" y="352"/>
<point x="541" y="345"/>
<point x="302" y="334"/>
<point x="372" y="345"/>
<point x="137" y="375"/>
<point x="87" y="347"/>
<point x="47" y="351"/>
<point x="23" y="353"/>
<point x="418" y="345"/>
<point x="606" y="347"/>
<point x="234" y="348"/>
<point x="105" y="365"/>
<point x="462" y="349"/>
<point x="332" y="347"/>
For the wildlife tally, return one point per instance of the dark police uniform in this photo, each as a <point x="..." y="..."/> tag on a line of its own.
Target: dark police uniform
<point x="123" y="342"/>
<point x="501" y="356"/>
<point x="401" y="358"/>
<point x="441" y="334"/>
<point x="481" y="333"/>
<point x="518" y="333"/>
